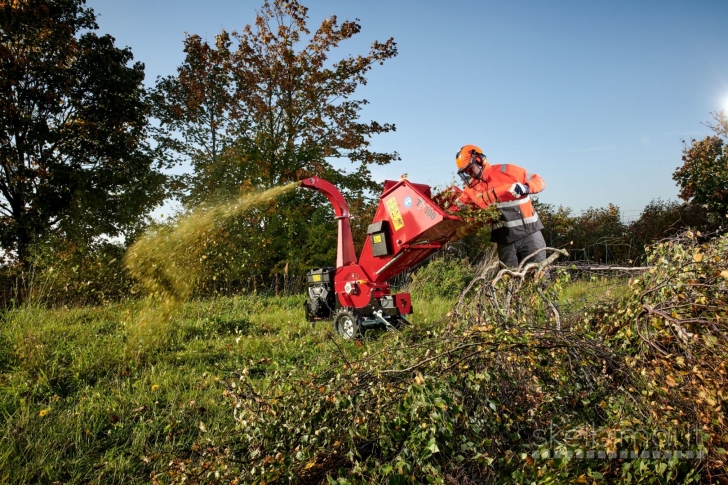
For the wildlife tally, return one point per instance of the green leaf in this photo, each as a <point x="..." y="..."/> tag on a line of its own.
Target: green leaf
<point x="432" y="446"/>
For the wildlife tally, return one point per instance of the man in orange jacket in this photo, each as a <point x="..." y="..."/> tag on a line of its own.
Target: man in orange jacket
<point x="518" y="232"/>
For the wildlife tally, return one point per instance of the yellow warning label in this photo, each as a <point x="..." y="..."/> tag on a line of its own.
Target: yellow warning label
<point x="317" y="277"/>
<point x="393" y="210"/>
<point x="377" y="238"/>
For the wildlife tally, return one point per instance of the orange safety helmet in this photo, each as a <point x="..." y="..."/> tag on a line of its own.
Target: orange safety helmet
<point x="466" y="158"/>
<point x="465" y="155"/>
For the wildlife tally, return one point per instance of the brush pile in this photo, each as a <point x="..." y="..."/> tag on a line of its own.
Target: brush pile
<point x="511" y="390"/>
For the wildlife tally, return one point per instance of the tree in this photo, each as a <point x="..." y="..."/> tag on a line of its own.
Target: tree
<point x="268" y="112"/>
<point x="194" y="113"/>
<point x="259" y="109"/>
<point x="596" y="234"/>
<point x="73" y="125"/>
<point x="703" y="178"/>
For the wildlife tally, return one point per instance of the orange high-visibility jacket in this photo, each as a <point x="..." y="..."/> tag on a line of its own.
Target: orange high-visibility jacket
<point x="518" y="217"/>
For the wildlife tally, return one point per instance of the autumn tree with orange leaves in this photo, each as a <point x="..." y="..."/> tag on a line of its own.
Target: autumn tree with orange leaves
<point x="259" y="108"/>
<point x="267" y="106"/>
<point x="703" y="178"/>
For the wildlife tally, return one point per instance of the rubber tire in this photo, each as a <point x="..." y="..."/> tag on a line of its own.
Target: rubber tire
<point x="347" y="324"/>
<point x="307" y="313"/>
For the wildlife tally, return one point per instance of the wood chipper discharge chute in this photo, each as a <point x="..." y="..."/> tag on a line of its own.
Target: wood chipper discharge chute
<point x="407" y="228"/>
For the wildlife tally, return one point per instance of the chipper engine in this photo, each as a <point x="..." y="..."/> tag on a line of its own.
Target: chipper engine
<point x="407" y="228"/>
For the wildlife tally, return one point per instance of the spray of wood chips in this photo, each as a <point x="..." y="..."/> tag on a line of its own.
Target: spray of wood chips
<point x="168" y="261"/>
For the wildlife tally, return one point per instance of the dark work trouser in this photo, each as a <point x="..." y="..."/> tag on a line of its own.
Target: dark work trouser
<point x="512" y="254"/>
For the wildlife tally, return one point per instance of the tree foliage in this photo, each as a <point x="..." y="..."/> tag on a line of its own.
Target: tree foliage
<point x="596" y="234"/>
<point x="73" y="123"/>
<point x="599" y="234"/>
<point x="257" y="109"/>
<point x="662" y="219"/>
<point x="703" y="178"/>
<point x="265" y="107"/>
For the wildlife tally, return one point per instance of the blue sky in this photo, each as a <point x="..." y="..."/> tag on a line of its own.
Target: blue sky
<point x="593" y="96"/>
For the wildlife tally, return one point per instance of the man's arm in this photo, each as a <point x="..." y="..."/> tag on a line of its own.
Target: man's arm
<point x="450" y="199"/>
<point x="464" y="198"/>
<point x="533" y="182"/>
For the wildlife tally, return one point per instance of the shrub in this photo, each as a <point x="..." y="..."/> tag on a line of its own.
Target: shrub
<point x="662" y="219"/>
<point x="443" y="277"/>
<point x="65" y="273"/>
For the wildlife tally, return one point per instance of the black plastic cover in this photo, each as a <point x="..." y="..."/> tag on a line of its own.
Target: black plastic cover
<point x="379" y="238"/>
<point x="380" y="226"/>
<point x="318" y="276"/>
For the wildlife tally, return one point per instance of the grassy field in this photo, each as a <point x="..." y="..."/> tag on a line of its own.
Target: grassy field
<point x="244" y="390"/>
<point x="585" y="292"/>
<point x="87" y="401"/>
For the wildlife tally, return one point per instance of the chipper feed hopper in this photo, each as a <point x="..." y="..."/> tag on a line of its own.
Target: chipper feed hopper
<point x="407" y="228"/>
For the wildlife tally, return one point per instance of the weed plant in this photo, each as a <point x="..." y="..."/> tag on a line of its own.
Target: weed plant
<point x="443" y="277"/>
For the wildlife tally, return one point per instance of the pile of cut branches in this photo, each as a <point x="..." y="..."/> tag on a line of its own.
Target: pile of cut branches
<point x="509" y="390"/>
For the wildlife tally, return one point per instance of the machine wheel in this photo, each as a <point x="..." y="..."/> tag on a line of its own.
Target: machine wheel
<point x="307" y="312"/>
<point x="347" y="324"/>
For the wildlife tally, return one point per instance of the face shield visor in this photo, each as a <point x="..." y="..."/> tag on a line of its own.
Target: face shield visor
<point x="470" y="173"/>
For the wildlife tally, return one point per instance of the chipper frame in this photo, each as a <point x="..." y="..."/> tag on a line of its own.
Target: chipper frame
<point x="407" y="228"/>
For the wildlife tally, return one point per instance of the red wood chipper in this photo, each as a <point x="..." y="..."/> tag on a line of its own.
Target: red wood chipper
<point x="407" y="228"/>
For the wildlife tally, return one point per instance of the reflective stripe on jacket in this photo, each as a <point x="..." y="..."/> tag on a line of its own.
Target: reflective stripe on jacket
<point x="518" y="217"/>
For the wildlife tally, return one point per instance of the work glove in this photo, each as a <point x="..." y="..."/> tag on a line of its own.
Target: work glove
<point x="518" y="190"/>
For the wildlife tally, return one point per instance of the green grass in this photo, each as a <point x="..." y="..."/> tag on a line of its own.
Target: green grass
<point x="582" y="293"/>
<point x="85" y="403"/>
